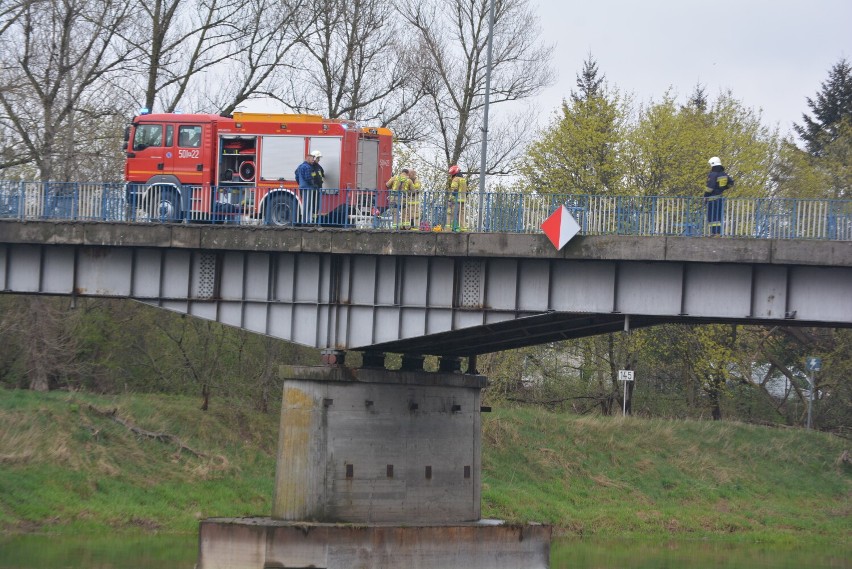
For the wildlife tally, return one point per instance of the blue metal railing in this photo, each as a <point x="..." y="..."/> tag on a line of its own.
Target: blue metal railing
<point x="502" y="212"/>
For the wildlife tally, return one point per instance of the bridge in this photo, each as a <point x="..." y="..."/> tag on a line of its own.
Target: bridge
<point x="397" y="453"/>
<point x="419" y="293"/>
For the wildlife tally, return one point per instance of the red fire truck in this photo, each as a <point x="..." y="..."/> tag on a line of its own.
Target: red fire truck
<point x="201" y="167"/>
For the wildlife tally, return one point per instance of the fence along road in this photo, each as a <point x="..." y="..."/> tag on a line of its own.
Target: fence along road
<point x="502" y="212"/>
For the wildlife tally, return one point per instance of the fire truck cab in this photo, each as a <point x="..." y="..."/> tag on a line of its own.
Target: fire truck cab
<point x="202" y="167"/>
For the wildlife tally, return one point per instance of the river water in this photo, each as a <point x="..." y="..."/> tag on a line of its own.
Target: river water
<point x="180" y="552"/>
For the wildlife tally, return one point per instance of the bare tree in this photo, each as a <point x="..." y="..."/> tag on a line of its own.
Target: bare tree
<point x="45" y="339"/>
<point x="269" y="31"/>
<point x="357" y="62"/>
<point x="192" y="352"/>
<point x="455" y="33"/>
<point x="12" y="150"/>
<point x="10" y="11"/>
<point x="60" y="53"/>
<point x="177" y="41"/>
<point x="215" y="54"/>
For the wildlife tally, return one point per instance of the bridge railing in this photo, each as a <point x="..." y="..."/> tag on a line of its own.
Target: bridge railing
<point x="429" y="210"/>
<point x="760" y="218"/>
<point x="75" y="201"/>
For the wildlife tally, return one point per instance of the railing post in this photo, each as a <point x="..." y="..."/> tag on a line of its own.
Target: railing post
<point x="103" y="215"/>
<point x="793" y="223"/>
<point x="185" y="196"/>
<point x="757" y="215"/>
<point x="831" y="228"/>
<point x="22" y="201"/>
<point x="75" y="201"/>
<point x="652" y="221"/>
<point x="519" y="214"/>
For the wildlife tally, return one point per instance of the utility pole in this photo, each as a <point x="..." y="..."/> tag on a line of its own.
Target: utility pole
<point x="482" y="160"/>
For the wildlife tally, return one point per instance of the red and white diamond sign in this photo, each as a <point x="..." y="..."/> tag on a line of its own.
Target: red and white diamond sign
<point x="560" y="227"/>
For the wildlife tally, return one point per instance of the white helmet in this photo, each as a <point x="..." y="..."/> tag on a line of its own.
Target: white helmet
<point x="714" y="161"/>
<point x="318" y="154"/>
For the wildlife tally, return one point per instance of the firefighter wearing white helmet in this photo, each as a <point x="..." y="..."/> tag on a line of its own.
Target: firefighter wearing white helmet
<point x="717" y="182"/>
<point x="317" y="173"/>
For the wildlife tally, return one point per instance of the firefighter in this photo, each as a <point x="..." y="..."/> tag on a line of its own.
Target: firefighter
<point x="398" y="186"/>
<point x="317" y="180"/>
<point x="304" y="178"/>
<point x="717" y="182"/>
<point x="457" y="198"/>
<point x="412" y="203"/>
<point x="317" y="172"/>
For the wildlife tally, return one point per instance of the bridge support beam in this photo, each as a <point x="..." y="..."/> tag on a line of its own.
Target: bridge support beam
<point x="371" y="359"/>
<point x="450" y="364"/>
<point x="412" y="362"/>
<point x="395" y="452"/>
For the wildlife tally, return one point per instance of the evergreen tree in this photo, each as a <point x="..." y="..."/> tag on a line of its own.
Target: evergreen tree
<point x="588" y="82"/>
<point x="833" y="105"/>
<point x="698" y="99"/>
<point x="578" y="152"/>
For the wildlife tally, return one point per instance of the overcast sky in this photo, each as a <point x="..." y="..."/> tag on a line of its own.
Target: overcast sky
<point x="771" y="53"/>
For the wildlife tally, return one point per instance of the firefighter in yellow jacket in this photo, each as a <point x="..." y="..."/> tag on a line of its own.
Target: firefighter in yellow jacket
<point x="457" y="198"/>
<point x="398" y="187"/>
<point x="411" y="207"/>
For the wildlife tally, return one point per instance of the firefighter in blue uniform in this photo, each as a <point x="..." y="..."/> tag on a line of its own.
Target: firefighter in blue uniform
<point x="717" y="182"/>
<point x="317" y="180"/>
<point x="317" y="172"/>
<point x="307" y="188"/>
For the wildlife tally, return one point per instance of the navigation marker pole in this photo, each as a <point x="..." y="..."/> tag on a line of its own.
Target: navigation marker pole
<point x="625" y="375"/>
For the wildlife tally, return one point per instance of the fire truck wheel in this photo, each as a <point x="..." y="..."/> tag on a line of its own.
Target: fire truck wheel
<point x="163" y="204"/>
<point x="281" y="210"/>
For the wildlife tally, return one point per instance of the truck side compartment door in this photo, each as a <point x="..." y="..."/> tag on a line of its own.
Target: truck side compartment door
<point x="331" y="148"/>
<point x="331" y="162"/>
<point x="280" y="155"/>
<point x="368" y="163"/>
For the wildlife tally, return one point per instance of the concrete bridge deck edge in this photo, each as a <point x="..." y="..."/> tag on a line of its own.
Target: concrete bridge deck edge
<point x="358" y="242"/>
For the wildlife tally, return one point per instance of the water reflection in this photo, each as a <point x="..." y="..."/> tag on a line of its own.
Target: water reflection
<point x="180" y="552"/>
<point x="630" y="554"/>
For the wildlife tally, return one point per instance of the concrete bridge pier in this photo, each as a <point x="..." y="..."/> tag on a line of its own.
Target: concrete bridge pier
<point x="376" y="469"/>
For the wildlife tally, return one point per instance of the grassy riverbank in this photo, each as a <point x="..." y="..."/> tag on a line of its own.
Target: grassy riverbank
<point x="81" y="463"/>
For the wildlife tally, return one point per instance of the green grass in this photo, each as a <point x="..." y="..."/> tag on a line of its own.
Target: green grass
<point x="638" y="477"/>
<point x="66" y="469"/>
